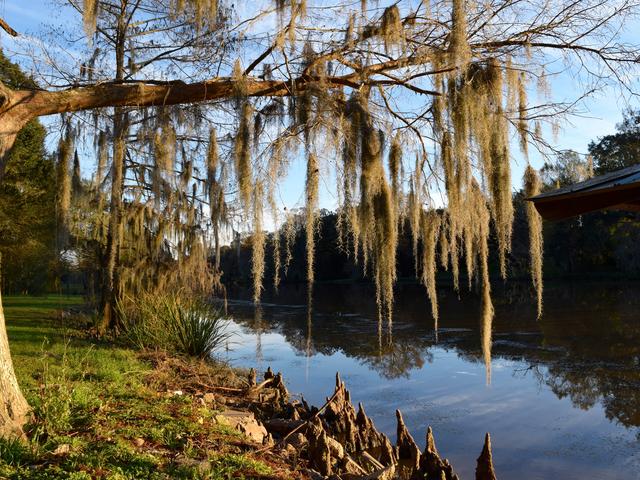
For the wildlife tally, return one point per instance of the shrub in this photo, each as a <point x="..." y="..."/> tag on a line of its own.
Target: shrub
<point x="173" y="323"/>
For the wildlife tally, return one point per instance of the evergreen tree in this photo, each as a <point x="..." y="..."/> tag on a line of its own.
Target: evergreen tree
<point x="27" y="210"/>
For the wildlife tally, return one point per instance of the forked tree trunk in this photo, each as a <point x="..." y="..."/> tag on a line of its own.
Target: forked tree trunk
<point x="14" y="409"/>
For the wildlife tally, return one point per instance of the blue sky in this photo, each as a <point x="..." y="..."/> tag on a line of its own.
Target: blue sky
<point x="600" y="113"/>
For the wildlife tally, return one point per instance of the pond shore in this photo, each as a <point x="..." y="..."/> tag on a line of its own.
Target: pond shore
<point x="105" y="411"/>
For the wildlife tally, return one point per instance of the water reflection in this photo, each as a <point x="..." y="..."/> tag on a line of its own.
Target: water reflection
<point x="588" y="339"/>
<point x="585" y="349"/>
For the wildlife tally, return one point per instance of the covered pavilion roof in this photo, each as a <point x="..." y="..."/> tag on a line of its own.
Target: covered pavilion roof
<point x="618" y="190"/>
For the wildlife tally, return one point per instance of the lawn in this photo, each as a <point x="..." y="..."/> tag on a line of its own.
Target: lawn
<point x="102" y="410"/>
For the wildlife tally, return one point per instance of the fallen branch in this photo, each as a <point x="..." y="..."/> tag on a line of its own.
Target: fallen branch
<point x="223" y="389"/>
<point x="260" y="386"/>
<point x="374" y="463"/>
<point x="282" y="426"/>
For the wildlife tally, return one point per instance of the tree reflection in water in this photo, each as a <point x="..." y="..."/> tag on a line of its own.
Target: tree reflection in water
<point x="585" y="347"/>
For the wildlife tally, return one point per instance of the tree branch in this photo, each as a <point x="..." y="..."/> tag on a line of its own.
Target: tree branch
<point x="5" y="26"/>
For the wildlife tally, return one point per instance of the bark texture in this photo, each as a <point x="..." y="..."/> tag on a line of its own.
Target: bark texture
<point x="111" y="281"/>
<point x="111" y="284"/>
<point x="14" y="409"/>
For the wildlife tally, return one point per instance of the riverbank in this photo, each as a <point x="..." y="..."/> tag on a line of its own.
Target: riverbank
<point x="107" y="411"/>
<point x="102" y="410"/>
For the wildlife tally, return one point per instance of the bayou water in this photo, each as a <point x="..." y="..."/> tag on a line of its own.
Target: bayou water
<point x="563" y="400"/>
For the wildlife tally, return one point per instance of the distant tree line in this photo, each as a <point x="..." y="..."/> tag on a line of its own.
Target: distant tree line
<point x="601" y="243"/>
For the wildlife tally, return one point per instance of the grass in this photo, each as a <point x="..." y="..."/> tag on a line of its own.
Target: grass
<point x="103" y="411"/>
<point x="186" y="325"/>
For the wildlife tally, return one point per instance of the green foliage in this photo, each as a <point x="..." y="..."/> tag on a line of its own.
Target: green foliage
<point x="61" y="404"/>
<point x="224" y="466"/>
<point x="27" y="210"/>
<point x="94" y="402"/>
<point x="15" y="452"/>
<point x="621" y="149"/>
<point x="173" y="323"/>
<point x="12" y="76"/>
<point x="197" y="329"/>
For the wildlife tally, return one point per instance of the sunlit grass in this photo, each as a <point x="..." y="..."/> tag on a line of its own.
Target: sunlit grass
<point x="97" y="413"/>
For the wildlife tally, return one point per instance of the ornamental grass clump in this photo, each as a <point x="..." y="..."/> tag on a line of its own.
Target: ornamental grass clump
<point x="173" y="323"/>
<point x="196" y="329"/>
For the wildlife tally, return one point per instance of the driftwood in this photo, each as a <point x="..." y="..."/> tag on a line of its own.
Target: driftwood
<point x="369" y="460"/>
<point x="304" y="423"/>
<point x="222" y="389"/>
<point x="384" y="474"/>
<point x="257" y="388"/>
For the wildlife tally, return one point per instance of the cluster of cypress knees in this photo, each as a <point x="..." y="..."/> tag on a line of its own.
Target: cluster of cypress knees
<point x="339" y="441"/>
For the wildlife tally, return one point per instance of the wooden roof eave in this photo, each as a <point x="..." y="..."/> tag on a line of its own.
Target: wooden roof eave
<point x="558" y="207"/>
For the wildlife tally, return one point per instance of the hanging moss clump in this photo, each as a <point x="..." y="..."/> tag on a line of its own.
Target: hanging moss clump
<point x="522" y="113"/>
<point x="391" y="28"/>
<point x="103" y="158"/>
<point x="289" y="234"/>
<point x="201" y="11"/>
<point x="431" y="225"/>
<point x="242" y="153"/>
<point x="479" y="214"/>
<point x="454" y="208"/>
<point x="257" y="243"/>
<point x="311" y="207"/>
<point x="376" y="219"/>
<point x="500" y="186"/>
<point x="76" y="178"/>
<point x="531" y="189"/>
<point x="215" y="193"/>
<point x="165" y="145"/>
<point x="275" y="170"/>
<point x="395" y="164"/>
<point x="90" y="16"/>
<point x="63" y="167"/>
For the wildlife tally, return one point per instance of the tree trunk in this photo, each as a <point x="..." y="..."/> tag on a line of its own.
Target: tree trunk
<point x="10" y="125"/>
<point x="14" y="409"/>
<point x="111" y="284"/>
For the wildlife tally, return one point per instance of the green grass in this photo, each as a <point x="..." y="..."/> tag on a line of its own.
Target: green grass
<point x="98" y="413"/>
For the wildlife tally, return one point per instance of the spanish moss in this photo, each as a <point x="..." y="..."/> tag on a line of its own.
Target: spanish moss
<point x="531" y="189"/>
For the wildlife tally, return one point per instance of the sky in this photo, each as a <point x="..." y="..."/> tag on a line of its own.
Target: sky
<point x="600" y="114"/>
